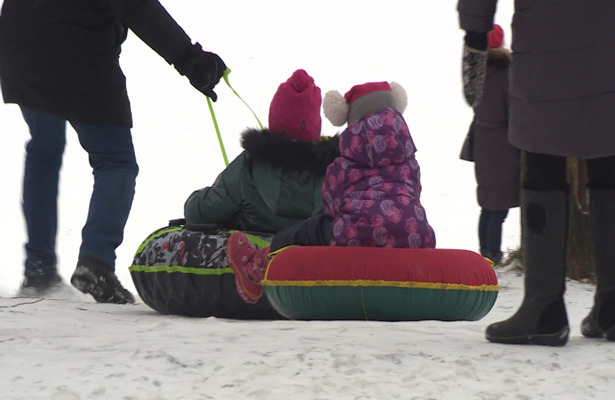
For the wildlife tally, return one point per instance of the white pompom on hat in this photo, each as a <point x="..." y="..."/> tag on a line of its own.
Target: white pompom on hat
<point x="363" y="100"/>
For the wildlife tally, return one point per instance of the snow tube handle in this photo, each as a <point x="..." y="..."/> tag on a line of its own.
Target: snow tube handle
<point x="194" y="227"/>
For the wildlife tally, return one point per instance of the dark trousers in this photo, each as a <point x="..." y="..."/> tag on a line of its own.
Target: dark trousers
<point x="112" y="158"/>
<point x="546" y="172"/>
<point x="315" y="231"/>
<point x="490" y="230"/>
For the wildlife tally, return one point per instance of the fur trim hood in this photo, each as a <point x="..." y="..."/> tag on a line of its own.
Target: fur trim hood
<point x="280" y="151"/>
<point x="499" y="57"/>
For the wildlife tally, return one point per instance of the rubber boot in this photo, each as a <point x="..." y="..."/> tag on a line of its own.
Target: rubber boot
<point x="601" y="319"/>
<point x="542" y="318"/>
<point x="589" y="326"/>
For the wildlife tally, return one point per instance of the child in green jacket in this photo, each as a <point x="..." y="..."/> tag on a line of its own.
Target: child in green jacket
<point x="275" y="182"/>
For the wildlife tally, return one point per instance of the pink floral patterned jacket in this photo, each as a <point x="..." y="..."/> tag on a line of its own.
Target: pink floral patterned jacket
<point x="373" y="189"/>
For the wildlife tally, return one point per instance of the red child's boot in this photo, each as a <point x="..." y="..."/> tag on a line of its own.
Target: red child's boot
<point x="248" y="264"/>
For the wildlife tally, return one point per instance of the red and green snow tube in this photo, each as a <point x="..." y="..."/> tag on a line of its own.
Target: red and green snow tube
<point x="367" y="283"/>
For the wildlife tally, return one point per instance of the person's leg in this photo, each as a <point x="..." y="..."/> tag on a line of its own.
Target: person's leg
<point x="112" y="158"/>
<point x="601" y="320"/>
<point x="249" y="265"/>
<point x="493" y="234"/>
<point x="44" y="154"/>
<point x="314" y="231"/>
<point x="114" y="166"/>
<point x="483" y="223"/>
<point x="541" y="318"/>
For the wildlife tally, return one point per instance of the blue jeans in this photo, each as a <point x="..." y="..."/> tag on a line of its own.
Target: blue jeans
<point x="112" y="158"/>
<point x="490" y="230"/>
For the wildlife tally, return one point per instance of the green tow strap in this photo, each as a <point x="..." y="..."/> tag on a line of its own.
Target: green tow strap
<point x="213" y="118"/>
<point x="225" y="76"/>
<point x="215" y="121"/>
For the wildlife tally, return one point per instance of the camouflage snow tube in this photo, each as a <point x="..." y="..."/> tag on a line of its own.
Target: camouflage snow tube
<point x="182" y="270"/>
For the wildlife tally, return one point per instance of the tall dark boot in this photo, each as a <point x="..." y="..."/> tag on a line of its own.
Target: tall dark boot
<point x="601" y="319"/>
<point x="542" y="317"/>
<point x="589" y="326"/>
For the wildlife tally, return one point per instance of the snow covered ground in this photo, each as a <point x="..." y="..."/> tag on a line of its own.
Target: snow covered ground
<point x="72" y="348"/>
<point x="69" y="347"/>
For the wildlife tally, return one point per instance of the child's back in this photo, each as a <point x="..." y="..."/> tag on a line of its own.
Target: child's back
<point x="372" y="191"/>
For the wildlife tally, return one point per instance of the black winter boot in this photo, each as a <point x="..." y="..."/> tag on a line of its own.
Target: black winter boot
<point x="40" y="276"/>
<point x="99" y="280"/>
<point x="601" y="319"/>
<point x="542" y="317"/>
<point x="589" y="326"/>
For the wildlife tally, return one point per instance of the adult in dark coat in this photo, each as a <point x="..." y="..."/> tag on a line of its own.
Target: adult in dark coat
<point x="59" y="61"/>
<point x="275" y="182"/>
<point x="562" y="104"/>
<point x="496" y="161"/>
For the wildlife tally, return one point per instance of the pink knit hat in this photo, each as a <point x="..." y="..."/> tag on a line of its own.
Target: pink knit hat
<point x="362" y="100"/>
<point x="295" y="108"/>
<point x="495" y="38"/>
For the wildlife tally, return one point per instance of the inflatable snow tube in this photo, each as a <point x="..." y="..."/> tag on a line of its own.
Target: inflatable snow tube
<point x="182" y="270"/>
<point x="367" y="283"/>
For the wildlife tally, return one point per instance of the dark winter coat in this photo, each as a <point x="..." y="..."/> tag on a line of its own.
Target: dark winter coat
<point x="273" y="184"/>
<point x="562" y="94"/>
<point x="497" y="163"/>
<point x="61" y="57"/>
<point x="373" y="189"/>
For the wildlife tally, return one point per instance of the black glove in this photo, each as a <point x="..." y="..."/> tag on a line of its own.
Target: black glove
<point x="474" y="66"/>
<point x="202" y="68"/>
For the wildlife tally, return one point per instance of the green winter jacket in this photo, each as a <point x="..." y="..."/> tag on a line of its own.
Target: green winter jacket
<point x="275" y="183"/>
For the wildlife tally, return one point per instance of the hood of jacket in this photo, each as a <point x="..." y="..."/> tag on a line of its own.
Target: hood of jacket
<point x="282" y="152"/>
<point x="378" y="140"/>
